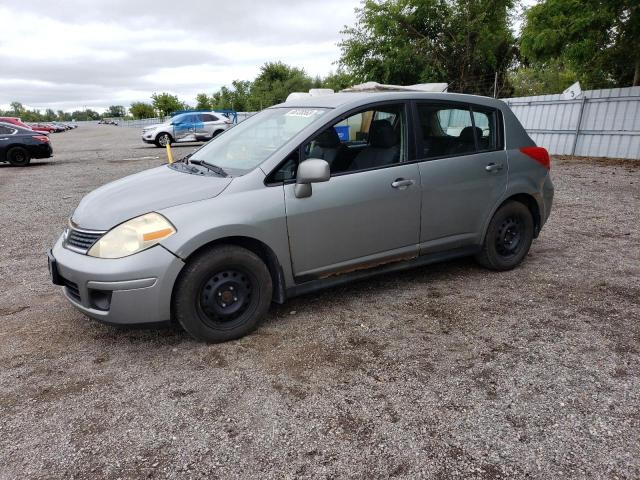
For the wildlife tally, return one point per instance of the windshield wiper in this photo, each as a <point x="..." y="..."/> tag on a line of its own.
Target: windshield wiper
<point x="214" y="168"/>
<point x="185" y="158"/>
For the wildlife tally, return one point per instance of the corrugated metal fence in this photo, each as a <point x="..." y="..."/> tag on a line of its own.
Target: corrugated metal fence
<point x="600" y="123"/>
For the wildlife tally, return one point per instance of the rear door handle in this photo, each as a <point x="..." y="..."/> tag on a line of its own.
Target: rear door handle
<point x="402" y="183"/>
<point x="493" y="167"/>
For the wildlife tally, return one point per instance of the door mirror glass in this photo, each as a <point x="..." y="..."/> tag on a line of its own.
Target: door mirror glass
<point x="310" y="171"/>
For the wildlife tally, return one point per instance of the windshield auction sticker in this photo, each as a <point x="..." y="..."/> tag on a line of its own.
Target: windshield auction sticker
<point x="302" y="112"/>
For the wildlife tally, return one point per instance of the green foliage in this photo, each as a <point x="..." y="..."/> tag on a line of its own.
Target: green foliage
<point x="461" y="42"/>
<point x="166" y="104"/>
<point x="541" y="79"/>
<point x="598" y="39"/>
<point x="203" y="102"/>
<point x="338" y="80"/>
<point x="276" y="81"/>
<point x="142" y="110"/>
<point x="115" y="111"/>
<point x="17" y="109"/>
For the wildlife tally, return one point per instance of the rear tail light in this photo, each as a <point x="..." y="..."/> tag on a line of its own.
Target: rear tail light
<point x="41" y="138"/>
<point x="539" y="154"/>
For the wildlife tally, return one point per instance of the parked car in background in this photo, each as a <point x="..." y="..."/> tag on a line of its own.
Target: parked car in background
<point x="187" y="127"/>
<point x="107" y="122"/>
<point x="304" y="195"/>
<point x="19" y="145"/>
<point x="15" y="121"/>
<point x="42" y="127"/>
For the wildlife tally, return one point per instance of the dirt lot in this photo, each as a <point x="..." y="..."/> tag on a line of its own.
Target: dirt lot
<point x="449" y="371"/>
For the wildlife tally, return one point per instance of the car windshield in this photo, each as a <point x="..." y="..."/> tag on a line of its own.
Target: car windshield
<point x="251" y="142"/>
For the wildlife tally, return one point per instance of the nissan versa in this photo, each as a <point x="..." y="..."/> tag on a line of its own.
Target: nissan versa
<point x="306" y="194"/>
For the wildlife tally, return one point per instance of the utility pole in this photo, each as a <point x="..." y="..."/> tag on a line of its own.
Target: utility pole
<point x="495" y="86"/>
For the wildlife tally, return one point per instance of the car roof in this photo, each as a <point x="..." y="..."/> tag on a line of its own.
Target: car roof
<point x="15" y="127"/>
<point x="355" y="99"/>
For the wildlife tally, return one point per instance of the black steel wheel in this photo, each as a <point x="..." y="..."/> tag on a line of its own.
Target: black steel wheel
<point x="508" y="237"/>
<point x="18" y="157"/>
<point x="226" y="295"/>
<point x="222" y="294"/>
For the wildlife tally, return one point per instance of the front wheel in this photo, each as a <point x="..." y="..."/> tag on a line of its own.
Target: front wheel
<point x="163" y="140"/>
<point x="508" y="237"/>
<point x="18" y="157"/>
<point x="222" y="294"/>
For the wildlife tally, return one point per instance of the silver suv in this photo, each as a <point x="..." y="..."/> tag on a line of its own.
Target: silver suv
<point x="187" y="127"/>
<point x="308" y="194"/>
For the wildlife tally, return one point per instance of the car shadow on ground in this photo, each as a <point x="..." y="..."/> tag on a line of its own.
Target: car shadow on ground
<point x="171" y="332"/>
<point x="31" y="165"/>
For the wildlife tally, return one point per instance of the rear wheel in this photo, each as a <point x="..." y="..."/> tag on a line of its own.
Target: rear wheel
<point x="222" y="294"/>
<point x="508" y="237"/>
<point x="18" y="156"/>
<point x="163" y="139"/>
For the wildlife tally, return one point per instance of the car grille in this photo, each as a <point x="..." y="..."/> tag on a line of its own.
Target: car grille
<point x="72" y="289"/>
<point x="81" y="240"/>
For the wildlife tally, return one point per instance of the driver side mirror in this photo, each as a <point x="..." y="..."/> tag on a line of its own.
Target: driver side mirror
<point x="312" y="170"/>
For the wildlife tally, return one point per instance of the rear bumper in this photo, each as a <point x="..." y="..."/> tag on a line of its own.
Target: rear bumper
<point x="547" y="197"/>
<point x="131" y="290"/>
<point x="41" y="151"/>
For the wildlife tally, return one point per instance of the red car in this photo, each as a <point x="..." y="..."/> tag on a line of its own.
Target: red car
<point x="16" y="121"/>
<point x="42" y="127"/>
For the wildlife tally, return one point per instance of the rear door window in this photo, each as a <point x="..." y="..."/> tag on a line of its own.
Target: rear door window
<point x="445" y="131"/>
<point x="487" y="122"/>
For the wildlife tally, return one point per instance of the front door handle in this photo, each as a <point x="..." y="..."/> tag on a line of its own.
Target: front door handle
<point x="402" y="183"/>
<point x="493" y="167"/>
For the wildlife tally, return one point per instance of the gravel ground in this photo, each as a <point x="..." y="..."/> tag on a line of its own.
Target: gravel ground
<point x="449" y="371"/>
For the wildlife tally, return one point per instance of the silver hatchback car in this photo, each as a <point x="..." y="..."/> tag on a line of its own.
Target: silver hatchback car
<point x="305" y="195"/>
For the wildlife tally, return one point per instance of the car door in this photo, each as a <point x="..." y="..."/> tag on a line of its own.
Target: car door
<point x="5" y="138"/>
<point x="368" y="212"/>
<point x="463" y="172"/>
<point x="206" y="126"/>
<point x="184" y="127"/>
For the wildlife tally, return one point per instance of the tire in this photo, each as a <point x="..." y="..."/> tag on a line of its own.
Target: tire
<point x="163" y="139"/>
<point x="18" y="157"/>
<point x="508" y="237"/>
<point x="216" y="133"/>
<point x="222" y="294"/>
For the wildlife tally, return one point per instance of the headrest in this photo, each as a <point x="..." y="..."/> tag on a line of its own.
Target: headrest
<point x="381" y="134"/>
<point x="466" y="135"/>
<point x="328" y="138"/>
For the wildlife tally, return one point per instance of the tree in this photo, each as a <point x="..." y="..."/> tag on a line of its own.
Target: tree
<point x="17" y="109"/>
<point x="460" y="42"/>
<point x="166" y="104"/>
<point x="142" y="110"/>
<point x="338" y="80"/>
<point x="552" y="77"/>
<point x="275" y="82"/>
<point x="203" y="102"/>
<point x="116" y="111"/>
<point x="598" y="39"/>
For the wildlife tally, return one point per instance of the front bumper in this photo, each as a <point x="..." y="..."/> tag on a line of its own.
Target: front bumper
<point x="149" y="137"/>
<point x="130" y="290"/>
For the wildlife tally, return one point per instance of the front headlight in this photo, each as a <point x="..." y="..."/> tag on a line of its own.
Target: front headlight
<point x="133" y="236"/>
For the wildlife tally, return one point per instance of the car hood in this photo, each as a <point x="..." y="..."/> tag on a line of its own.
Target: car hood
<point x="155" y="125"/>
<point x="141" y="193"/>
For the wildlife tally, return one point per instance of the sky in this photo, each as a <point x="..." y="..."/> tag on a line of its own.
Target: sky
<point x="71" y="54"/>
<point x="76" y="54"/>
